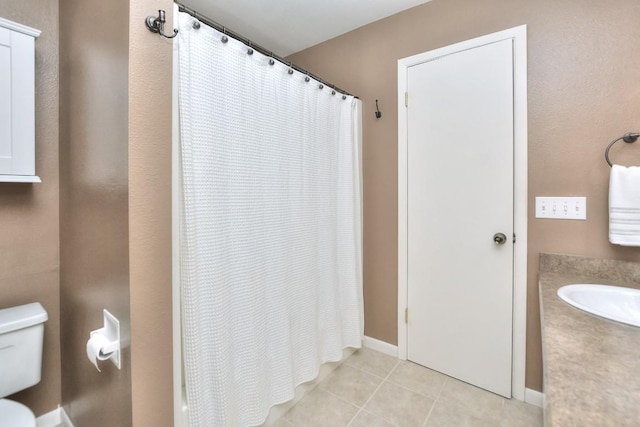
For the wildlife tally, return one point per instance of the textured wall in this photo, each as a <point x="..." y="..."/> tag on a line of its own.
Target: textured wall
<point x="584" y="58"/>
<point x="29" y="260"/>
<point x="150" y="217"/>
<point x="116" y="210"/>
<point x="94" y="239"/>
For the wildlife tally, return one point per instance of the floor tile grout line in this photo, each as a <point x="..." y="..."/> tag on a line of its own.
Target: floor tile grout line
<point x="413" y="391"/>
<point x="389" y="381"/>
<point x="346" y="401"/>
<point x="340" y="398"/>
<point x="367" y="372"/>
<point x="446" y="380"/>
<point x="359" y="408"/>
<point x="385" y="378"/>
<point x="371" y="373"/>
<point x="465" y="405"/>
<point x="317" y="385"/>
<point x="325" y="391"/>
<point x="374" y="393"/>
<point x="435" y="401"/>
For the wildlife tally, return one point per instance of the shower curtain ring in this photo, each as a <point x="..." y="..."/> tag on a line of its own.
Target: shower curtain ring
<point x="196" y="23"/>
<point x="271" y="60"/>
<point x="290" y="69"/>
<point x="224" y="37"/>
<point x="250" y="51"/>
<point x="307" y="79"/>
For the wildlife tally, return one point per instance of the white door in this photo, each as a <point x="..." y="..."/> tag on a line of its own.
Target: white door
<point x="459" y="198"/>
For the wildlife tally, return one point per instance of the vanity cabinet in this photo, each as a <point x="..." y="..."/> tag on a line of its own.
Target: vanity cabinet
<point x="17" y="102"/>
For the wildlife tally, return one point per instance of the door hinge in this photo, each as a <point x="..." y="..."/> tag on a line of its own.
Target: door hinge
<point x="514" y="237"/>
<point x="406" y="99"/>
<point x="406" y="315"/>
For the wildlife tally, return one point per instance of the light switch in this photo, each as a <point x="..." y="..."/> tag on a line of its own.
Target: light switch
<point x="561" y="207"/>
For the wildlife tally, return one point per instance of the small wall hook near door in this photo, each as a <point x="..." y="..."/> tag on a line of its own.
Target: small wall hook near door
<point x="156" y="24"/>
<point x="378" y="113"/>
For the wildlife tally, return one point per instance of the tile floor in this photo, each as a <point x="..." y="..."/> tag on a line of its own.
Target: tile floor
<point x="371" y="389"/>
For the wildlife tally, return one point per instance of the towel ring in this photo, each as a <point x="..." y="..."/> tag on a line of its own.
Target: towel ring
<point x="627" y="137"/>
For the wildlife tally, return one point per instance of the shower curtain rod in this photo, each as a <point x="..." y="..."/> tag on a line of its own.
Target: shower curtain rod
<point x="250" y="44"/>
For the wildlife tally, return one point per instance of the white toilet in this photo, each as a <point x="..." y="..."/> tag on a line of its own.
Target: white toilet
<point x="21" y="331"/>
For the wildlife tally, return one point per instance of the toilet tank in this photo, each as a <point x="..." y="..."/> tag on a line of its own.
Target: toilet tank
<point x="21" y="332"/>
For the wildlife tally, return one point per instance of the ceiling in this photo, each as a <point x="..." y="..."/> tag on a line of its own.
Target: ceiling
<point x="289" y="26"/>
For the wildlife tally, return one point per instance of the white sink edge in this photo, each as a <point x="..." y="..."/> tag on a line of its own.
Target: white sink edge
<point x="563" y="294"/>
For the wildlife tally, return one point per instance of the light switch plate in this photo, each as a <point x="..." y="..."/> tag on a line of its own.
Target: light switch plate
<point x="561" y="208"/>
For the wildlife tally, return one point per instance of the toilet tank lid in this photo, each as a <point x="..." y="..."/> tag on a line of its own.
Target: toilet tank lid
<point x="22" y="316"/>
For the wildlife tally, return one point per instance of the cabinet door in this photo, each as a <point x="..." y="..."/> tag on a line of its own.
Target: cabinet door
<point x="17" y="134"/>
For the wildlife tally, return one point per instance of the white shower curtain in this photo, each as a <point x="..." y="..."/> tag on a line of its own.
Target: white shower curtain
<point x="270" y="228"/>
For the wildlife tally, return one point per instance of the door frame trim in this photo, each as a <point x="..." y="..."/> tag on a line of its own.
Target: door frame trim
<point x="519" y="37"/>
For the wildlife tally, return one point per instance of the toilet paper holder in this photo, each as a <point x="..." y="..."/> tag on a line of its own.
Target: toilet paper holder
<point x="111" y="331"/>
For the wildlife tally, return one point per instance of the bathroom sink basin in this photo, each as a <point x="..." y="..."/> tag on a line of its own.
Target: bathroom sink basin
<point x="611" y="302"/>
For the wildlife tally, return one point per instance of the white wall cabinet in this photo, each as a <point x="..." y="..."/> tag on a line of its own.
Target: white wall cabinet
<point x="17" y="102"/>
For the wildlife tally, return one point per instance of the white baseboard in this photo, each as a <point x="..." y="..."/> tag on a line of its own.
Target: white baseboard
<point x="55" y="418"/>
<point x="50" y="419"/>
<point x="64" y="418"/>
<point x="381" y="346"/>
<point x="533" y="397"/>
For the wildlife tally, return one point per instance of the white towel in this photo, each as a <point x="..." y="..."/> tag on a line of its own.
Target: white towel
<point x="624" y="206"/>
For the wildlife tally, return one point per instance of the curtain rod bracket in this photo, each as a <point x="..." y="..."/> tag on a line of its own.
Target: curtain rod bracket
<point x="156" y="24"/>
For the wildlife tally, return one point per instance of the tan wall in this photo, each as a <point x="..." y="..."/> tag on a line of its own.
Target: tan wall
<point x="113" y="119"/>
<point x="29" y="259"/>
<point x="94" y="239"/>
<point x="150" y="217"/>
<point x="584" y="58"/>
